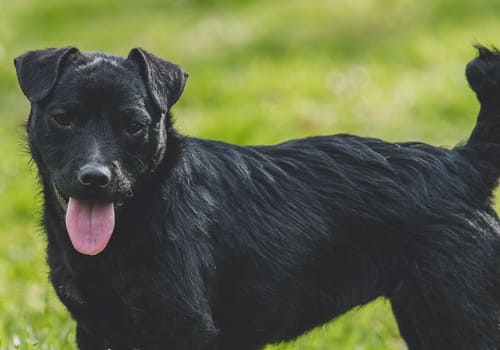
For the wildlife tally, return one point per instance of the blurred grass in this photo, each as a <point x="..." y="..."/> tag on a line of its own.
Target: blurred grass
<point x="260" y="72"/>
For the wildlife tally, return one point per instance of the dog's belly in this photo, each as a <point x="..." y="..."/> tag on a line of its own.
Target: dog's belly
<point x="280" y="304"/>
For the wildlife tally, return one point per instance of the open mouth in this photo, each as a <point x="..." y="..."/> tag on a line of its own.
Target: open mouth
<point x="90" y="224"/>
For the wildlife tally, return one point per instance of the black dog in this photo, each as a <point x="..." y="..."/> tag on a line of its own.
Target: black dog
<point x="161" y="241"/>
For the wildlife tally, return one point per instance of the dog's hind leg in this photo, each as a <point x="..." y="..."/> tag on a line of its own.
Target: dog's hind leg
<point x="406" y="328"/>
<point x="427" y="326"/>
<point x="446" y="322"/>
<point x="449" y="298"/>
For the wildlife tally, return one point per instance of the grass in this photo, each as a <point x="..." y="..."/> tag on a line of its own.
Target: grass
<point x="260" y="72"/>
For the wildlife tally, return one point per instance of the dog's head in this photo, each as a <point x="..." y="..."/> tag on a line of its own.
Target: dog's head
<point x="98" y="124"/>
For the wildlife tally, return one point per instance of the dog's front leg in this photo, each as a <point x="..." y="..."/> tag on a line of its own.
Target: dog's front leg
<point x="172" y="314"/>
<point x="87" y="340"/>
<point x="174" y="327"/>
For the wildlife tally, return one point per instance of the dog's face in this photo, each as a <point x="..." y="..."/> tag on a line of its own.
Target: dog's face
<point x="97" y="126"/>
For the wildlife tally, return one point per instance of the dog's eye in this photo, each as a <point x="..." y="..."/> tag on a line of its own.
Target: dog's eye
<point x="61" y="119"/>
<point x="133" y="128"/>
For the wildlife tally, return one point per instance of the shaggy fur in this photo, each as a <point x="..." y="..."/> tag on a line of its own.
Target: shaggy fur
<point x="223" y="247"/>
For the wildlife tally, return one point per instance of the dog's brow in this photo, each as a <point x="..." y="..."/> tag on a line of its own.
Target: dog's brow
<point x="133" y="110"/>
<point x="63" y="105"/>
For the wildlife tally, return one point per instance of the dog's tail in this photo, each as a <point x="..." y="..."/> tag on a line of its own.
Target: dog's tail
<point x="483" y="146"/>
<point x="483" y="74"/>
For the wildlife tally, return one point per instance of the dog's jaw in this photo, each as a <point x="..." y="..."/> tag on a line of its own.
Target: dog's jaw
<point x="60" y="198"/>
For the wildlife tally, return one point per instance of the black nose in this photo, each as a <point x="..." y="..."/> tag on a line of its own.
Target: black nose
<point x="94" y="175"/>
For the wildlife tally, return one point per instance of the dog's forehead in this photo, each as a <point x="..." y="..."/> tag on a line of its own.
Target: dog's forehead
<point x="100" y="74"/>
<point x="96" y="60"/>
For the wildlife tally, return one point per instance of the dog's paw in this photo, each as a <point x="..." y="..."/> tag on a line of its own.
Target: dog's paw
<point x="483" y="73"/>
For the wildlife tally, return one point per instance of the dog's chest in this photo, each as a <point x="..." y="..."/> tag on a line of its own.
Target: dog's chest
<point x="95" y="297"/>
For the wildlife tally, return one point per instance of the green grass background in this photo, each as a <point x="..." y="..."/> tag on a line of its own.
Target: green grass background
<point x="260" y="72"/>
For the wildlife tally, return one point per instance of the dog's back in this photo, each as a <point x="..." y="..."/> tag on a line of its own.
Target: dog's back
<point x="328" y="223"/>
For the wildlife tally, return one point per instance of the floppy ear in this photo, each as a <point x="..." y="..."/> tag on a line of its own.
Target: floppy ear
<point x="165" y="80"/>
<point x="37" y="71"/>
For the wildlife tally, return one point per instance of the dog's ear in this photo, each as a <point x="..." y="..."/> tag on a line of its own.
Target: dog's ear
<point x="37" y="71"/>
<point x="165" y="80"/>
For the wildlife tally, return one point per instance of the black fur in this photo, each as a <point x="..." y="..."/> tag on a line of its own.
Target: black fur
<point x="219" y="246"/>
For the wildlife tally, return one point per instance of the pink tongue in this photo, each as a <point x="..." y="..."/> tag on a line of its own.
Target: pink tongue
<point x="89" y="225"/>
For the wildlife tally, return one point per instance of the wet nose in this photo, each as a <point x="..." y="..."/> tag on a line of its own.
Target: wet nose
<point x="94" y="175"/>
